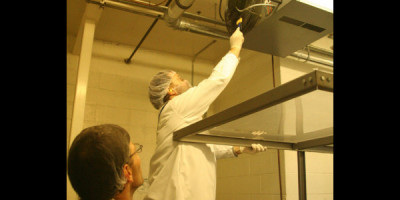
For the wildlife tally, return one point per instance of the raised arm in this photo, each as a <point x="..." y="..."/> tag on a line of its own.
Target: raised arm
<point x="196" y="101"/>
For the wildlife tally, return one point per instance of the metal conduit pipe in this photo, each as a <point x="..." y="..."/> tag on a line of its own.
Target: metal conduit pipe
<point x="137" y="9"/>
<point x="312" y="59"/>
<point x="150" y="11"/>
<point x="175" y="10"/>
<point x="173" y="19"/>
<point x="320" y="51"/>
<point x="200" y="29"/>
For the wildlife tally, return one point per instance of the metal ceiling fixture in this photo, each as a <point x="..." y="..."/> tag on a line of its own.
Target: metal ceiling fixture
<point x="176" y="17"/>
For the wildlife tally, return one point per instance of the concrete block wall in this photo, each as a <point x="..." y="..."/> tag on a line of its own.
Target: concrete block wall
<point x="118" y="92"/>
<point x="249" y="177"/>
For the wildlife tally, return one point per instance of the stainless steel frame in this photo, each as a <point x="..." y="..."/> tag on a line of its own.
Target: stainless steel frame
<point x="316" y="80"/>
<point x="320" y="140"/>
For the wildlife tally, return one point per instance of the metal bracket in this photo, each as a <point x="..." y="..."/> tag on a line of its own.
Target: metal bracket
<point x="102" y="4"/>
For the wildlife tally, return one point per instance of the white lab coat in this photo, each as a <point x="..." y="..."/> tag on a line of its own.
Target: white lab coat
<point x="181" y="170"/>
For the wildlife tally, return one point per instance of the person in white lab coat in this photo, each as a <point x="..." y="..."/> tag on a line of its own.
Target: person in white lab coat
<point x="183" y="170"/>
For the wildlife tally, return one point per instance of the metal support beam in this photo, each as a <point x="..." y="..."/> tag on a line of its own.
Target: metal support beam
<point x="317" y="142"/>
<point x="82" y="79"/>
<point x="86" y="38"/>
<point x="295" y="88"/>
<point x="213" y="139"/>
<point x="301" y="169"/>
<point x="83" y="44"/>
<point x="80" y="91"/>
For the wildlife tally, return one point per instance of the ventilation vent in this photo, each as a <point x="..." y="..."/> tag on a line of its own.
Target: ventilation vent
<point x="301" y="24"/>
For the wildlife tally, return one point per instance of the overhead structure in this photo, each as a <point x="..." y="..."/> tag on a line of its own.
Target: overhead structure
<point x="289" y="29"/>
<point x="297" y="115"/>
<point x="279" y="27"/>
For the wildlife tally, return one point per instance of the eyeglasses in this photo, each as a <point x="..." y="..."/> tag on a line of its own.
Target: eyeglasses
<point x="139" y="148"/>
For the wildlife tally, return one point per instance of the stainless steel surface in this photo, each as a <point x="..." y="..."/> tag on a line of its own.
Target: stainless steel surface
<point x="291" y="28"/>
<point x="299" y="113"/>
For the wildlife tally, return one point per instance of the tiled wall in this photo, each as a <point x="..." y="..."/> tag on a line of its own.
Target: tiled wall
<point x="117" y="92"/>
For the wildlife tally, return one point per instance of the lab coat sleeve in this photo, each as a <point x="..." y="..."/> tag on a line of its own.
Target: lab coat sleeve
<point x="222" y="151"/>
<point x="196" y="101"/>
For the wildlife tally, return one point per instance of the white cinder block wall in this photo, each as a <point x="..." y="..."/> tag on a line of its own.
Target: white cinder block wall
<point x="117" y="92"/>
<point x="249" y="177"/>
<point x="319" y="166"/>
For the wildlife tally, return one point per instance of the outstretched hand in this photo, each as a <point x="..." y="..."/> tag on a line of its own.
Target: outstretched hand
<point x="255" y="148"/>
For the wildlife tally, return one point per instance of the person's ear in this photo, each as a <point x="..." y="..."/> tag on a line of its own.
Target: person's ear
<point x="128" y="173"/>
<point x="171" y="92"/>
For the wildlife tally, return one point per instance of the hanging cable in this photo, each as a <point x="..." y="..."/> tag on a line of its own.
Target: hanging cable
<point x="195" y="56"/>
<point x="267" y="5"/>
<point x="220" y="16"/>
<point x="255" y="5"/>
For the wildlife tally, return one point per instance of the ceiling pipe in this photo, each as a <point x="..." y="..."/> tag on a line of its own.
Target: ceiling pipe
<point x="172" y="15"/>
<point x="175" y="10"/>
<point x="174" y="20"/>
<point x="150" y="11"/>
<point x="201" y="29"/>
<point x="125" y="6"/>
<point x="314" y="59"/>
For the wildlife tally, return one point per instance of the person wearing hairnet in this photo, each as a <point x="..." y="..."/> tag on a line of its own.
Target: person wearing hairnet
<point x="183" y="170"/>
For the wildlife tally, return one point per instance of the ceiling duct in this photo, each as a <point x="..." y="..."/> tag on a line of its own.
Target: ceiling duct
<point x="284" y="31"/>
<point x="175" y="10"/>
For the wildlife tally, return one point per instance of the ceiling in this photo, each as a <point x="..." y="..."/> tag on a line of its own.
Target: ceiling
<point x="128" y="28"/>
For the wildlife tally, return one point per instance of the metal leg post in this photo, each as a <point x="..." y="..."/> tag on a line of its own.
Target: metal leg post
<point x="301" y="167"/>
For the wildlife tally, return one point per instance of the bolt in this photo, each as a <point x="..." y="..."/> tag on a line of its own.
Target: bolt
<point x="328" y="79"/>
